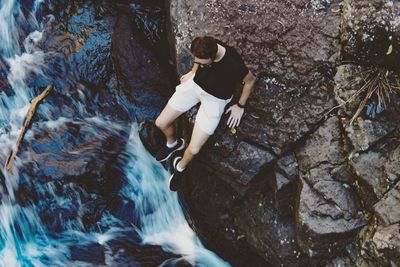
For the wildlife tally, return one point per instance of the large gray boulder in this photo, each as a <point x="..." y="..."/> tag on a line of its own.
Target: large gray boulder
<point x="328" y="214"/>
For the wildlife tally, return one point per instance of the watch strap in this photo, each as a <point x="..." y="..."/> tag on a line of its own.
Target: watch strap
<point x="240" y="105"/>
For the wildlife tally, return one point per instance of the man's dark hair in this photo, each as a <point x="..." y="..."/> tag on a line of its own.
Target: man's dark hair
<point x="204" y="47"/>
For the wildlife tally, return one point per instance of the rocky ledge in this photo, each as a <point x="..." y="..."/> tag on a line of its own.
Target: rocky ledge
<point x="295" y="185"/>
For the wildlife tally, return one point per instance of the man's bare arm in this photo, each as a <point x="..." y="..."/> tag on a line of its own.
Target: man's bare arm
<point x="236" y="111"/>
<point x="195" y="67"/>
<point x="249" y="81"/>
<point x="191" y="73"/>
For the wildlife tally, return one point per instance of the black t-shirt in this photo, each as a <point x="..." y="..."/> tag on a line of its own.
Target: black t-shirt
<point x="220" y="79"/>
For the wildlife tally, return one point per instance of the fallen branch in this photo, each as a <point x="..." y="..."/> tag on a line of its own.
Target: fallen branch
<point x="27" y="123"/>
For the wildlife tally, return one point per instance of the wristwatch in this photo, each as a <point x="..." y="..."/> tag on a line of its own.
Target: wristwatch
<point x="240" y="105"/>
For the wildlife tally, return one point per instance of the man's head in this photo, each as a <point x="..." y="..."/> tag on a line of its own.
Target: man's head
<point x="204" y="49"/>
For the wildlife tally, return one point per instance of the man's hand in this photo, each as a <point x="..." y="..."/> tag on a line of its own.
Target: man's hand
<point x="187" y="76"/>
<point x="236" y="115"/>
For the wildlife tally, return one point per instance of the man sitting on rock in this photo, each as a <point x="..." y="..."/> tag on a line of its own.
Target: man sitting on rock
<point x="216" y="69"/>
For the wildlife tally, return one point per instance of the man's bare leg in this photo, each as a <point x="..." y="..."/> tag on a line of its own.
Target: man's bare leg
<point x="198" y="139"/>
<point x="165" y="120"/>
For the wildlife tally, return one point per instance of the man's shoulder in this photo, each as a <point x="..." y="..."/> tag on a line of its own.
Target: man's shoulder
<point x="227" y="46"/>
<point x="233" y="54"/>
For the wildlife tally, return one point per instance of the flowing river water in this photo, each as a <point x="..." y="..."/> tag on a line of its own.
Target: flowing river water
<point x="25" y="240"/>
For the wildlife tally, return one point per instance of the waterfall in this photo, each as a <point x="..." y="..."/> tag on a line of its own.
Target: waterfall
<point x="25" y="240"/>
<point x="161" y="217"/>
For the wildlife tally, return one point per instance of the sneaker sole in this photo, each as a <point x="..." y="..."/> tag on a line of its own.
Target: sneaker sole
<point x="170" y="178"/>
<point x="178" y="149"/>
<point x="176" y="161"/>
<point x="169" y="183"/>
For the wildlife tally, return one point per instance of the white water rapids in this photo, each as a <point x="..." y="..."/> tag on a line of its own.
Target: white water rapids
<point x="24" y="239"/>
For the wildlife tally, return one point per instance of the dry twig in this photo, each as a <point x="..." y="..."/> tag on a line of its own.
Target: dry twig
<point x="27" y="123"/>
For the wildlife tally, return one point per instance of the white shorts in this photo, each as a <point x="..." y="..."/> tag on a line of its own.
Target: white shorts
<point x="188" y="94"/>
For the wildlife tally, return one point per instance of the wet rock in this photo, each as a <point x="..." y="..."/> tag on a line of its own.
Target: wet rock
<point x="139" y="73"/>
<point x="387" y="242"/>
<point x="152" y="137"/>
<point x="80" y="150"/>
<point x="128" y="251"/>
<point x="69" y="201"/>
<point x="4" y="85"/>
<point x="343" y="173"/>
<point x="150" y="21"/>
<point x="68" y="170"/>
<point x="284" y="184"/>
<point x="63" y="9"/>
<point x="287" y="115"/>
<point x="373" y="141"/>
<point x="323" y="146"/>
<point x="218" y="215"/>
<point x="94" y="206"/>
<point x="379" y="241"/>
<point x="267" y="231"/>
<point x="347" y="81"/>
<point x="378" y="245"/>
<point x="325" y="222"/>
<point x="287" y="167"/>
<point x="93" y="62"/>
<point x="121" y="207"/>
<point x="250" y="161"/>
<point x="137" y="67"/>
<point x="369" y="28"/>
<point x="387" y="209"/>
<point x="365" y="133"/>
<point x="79" y="64"/>
<point x="328" y="212"/>
<point x="234" y="159"/>
<point x="377" y="170"/>
<point x="93" y="253"/>
<point x="96" y="52"/>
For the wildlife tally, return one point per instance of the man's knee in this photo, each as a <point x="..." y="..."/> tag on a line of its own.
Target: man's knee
<point x="161" y="124"/>
<point x="194" y="150"/>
